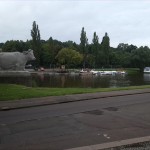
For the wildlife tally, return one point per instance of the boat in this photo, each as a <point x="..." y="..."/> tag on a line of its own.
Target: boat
<point x="85" y="72"/>
<point x="94" y="72"/>
<point x="101" y="73"/>
<point x="147" y="70"/>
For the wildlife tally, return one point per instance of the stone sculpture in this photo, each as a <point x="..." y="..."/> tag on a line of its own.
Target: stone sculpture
<point x="15" y="61"/>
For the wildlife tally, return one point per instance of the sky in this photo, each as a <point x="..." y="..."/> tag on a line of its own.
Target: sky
<point x="125" y="21"/>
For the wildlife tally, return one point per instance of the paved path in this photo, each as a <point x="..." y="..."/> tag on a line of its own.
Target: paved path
<point x="107" y="118"/>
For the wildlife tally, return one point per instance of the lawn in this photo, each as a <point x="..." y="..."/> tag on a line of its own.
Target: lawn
<point x="18" y="92"/>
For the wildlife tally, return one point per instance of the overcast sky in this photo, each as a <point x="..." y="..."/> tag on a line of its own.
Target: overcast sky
<point x="125" y="21"/>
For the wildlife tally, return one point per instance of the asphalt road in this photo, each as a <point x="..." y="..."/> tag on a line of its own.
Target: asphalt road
<point x="75" y="124"/>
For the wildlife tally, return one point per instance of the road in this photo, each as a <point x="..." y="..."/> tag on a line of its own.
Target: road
<point x="75" y="124"/>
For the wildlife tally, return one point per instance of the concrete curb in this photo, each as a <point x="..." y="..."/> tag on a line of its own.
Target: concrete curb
<point x="113" y="144"/>
<point x="35" y="102"/>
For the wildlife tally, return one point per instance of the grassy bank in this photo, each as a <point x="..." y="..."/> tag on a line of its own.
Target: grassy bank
<point x="16" y="92"/>
<point x="132" y="70"/>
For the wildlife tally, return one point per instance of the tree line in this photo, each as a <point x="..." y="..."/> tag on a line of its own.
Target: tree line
<point x="52" y="53"/>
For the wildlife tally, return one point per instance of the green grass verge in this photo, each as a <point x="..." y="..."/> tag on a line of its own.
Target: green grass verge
<point x="16" y="92"/>
<point x="132" y="70"/>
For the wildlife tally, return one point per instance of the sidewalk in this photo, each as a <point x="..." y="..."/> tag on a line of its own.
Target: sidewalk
<point x="141" y="143"/>
<point x="34" y="102"/>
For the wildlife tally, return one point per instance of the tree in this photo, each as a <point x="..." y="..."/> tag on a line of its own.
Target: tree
<point x="106" y="48"/>
<point x="95" y="39"/>
<point x="69" y="57"/>
<point x="36" y="43"/>
<point x="83" y="46"/>
<point x="90" y="60"/>
<point x="126" y="48"/>
<point x="122" y="46"/>
<point x="95" y="48"/>
<point x="50" y="50"/>
<point x="141" y="57"/>
<point x="71" y="45"/>
<point x="1" y="44"/>
<point x="14" y="45"/>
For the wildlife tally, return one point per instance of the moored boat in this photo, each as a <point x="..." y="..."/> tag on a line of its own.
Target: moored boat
<point x="101" y="73"/>
<point x="146" y="70"/>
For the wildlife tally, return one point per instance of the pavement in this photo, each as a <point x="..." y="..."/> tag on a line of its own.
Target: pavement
<point x="36" y="102"/>
<point x="120" y="145"/>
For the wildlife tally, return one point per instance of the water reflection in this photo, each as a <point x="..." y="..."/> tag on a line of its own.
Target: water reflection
<point x="136" y="79"/>
<point x="17" y="80"/>
<point x="147" y="77"/>
<point x="119" y="81"/>
<point x="41" y="79"/>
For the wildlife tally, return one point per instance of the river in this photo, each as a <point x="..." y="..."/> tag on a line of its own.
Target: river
<point x="42" y="79"/>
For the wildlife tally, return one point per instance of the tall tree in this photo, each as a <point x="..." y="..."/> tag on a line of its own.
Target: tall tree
<point x="95" y="48"/>
<point x="36" y="43"/>
<point x="106" y="48"/>
<point x="83" y="46"/>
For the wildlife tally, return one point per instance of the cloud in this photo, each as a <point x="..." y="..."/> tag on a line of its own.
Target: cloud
<point x="125" y="21"/>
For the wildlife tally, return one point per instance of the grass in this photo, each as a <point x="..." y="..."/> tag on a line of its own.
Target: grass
<point x="132" y="70"/>
<point x="18" y="92"/>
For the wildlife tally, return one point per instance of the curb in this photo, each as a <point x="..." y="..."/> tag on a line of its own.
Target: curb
<point x="113" y="144"/>
<point x="36" y="102"/>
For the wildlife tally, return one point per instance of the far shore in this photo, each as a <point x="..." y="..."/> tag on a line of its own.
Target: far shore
<point x="78" y="71"/>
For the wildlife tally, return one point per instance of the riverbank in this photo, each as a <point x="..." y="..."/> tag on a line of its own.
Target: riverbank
<point x="18" y="92"/>
<point x="68" y="71"/>
<point x="51" y="100"/>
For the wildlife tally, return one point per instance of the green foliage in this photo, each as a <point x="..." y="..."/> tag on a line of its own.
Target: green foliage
<point x="12" y="46"/>
<point x="106" y="48"/>
<point x="126" y="48"/>
<point x="71" y="45"/>
<point x="132" y="70"/>
<point x="91" y="60"/>
<point x="50" y="51"/>
<point x="95" y="50"/>
<point x="69" y="57"/>
<point x="121" y="56"/>
<point x="84" y="46"/>
<point x="141" y="57"/>
<point x="1" y="45"/>
<point x="95" y="39"/>
<point x="36" y="43"/>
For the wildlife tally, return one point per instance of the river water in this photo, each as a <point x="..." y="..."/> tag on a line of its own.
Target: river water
<point x="75" y="80"/>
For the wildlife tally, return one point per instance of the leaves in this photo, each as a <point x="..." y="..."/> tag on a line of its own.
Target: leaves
<point x="69" y="57"/>
<point x="36" y="43"/>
